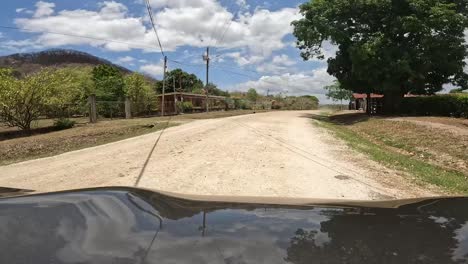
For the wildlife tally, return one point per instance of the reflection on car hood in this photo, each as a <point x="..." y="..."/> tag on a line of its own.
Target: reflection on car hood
<point x="126" y="225"/>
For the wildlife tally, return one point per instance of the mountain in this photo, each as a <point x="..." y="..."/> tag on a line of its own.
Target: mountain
<point x="26" y="63"/>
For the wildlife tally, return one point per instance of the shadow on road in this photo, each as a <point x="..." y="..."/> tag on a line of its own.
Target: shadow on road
<point x="345" y="119"/>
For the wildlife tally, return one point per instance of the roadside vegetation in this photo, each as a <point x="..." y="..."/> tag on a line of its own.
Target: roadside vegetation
<point x="405" y="47"/>
<point x="427" y="155"/>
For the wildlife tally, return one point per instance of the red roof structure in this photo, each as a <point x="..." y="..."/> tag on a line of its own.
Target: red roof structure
<point x="363" y="96"/>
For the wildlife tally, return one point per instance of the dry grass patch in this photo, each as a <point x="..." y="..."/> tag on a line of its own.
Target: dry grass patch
<point x="430" y="154"/>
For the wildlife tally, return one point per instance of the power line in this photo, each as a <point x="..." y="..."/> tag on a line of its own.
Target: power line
<point x="187" y="64"/>
<point x="150" y="13"/>
<point x="228" y="26"/>
<point x="215" y="29"/>
<point x="239" y="68"/>
<point x="232" y="72"/>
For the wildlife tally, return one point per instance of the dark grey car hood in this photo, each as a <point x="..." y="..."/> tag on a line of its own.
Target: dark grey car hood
<point x="126" y="225"/>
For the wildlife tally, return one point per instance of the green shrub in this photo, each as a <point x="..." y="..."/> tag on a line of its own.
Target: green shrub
<point x="241" y="104"/>
<point x="184" y="106"/>
<point x="454" y="105"/>
<point x="64" y="123"/>
<point x="188" y="106"/>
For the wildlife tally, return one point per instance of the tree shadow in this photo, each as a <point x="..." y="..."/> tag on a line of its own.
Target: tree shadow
<point x="345" y="119"/>
<point x="12" y="134"/>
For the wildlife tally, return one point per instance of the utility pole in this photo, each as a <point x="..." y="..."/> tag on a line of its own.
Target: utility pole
<point x="175" y="96"/>
<point x="207" y="59"/>
<point x="164" y="86"/>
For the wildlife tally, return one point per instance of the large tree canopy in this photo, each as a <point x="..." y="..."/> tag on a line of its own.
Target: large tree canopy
<point x="108" y="83"/>
<point x="387" y="46"/>
<point x="183" y="81"/>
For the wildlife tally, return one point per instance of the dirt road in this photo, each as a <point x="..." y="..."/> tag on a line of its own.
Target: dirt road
<point x="270" y="154"/>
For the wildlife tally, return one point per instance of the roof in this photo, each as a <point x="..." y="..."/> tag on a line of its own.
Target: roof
<point x="363" y="96"/>
<point x="373" y="95"/>
<point x="193" y="95"/>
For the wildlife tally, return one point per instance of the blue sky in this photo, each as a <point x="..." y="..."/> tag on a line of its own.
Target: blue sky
<point x="251" y="41"/>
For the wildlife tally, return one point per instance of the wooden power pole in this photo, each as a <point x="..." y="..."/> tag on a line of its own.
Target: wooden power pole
<point x="207" y="59"/>
<point x="164" y="86"/>
<point x="175" y="96"/>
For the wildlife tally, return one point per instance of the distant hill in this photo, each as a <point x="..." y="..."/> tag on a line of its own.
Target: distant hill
<point x="26" y="63"/>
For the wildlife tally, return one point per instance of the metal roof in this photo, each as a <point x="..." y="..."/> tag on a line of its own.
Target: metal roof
<point x="194" y="95"/>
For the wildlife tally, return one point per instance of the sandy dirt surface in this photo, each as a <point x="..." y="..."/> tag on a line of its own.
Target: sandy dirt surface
<point x="279" y="154"/>
<point x="458" y="126"/>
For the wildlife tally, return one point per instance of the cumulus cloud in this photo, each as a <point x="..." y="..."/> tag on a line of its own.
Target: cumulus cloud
<point x="311" y="83"/>
<point x="44" y="9"/>
<point x="195" y="23"/>
<point x="155" y="70"/>
<point x="125" y="59"/>
<point x="278" y="64"/>
<point x="24" y="45"/>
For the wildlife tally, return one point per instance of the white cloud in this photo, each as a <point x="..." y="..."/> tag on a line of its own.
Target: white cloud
<point x="179" y="23"/>
<point x="155" y="70"/>
<point x="24" y="45"/>
<point x="311" y="83"/>
<point x="125" y="59"/>
<point x="242" y="59"/>
<point x="19" y="10"/>
<point x="278" y="65"/>
<point x="283" y="59"/>
<point x="44" y="9"/>
<point x="110" y="22"/>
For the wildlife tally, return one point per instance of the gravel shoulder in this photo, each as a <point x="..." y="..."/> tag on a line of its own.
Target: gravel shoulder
<point x="278" y="154"/>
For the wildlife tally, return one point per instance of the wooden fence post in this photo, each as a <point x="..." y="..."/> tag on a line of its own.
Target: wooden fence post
<point x="128" y="108"/>
<point x="92" y="108"/>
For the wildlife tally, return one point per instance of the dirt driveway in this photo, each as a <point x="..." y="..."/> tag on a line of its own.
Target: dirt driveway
<point x="268" y="154"/>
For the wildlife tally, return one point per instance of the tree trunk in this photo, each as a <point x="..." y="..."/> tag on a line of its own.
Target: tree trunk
<point x="392" y="102"/>
<point x="368" y="104"/>
<point x="128" y="108"/>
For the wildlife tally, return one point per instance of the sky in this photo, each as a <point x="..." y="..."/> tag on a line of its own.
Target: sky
<point x="251" y="42"/>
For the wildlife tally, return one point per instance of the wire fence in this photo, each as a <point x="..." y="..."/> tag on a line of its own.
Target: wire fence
<point x="104" y="110"/>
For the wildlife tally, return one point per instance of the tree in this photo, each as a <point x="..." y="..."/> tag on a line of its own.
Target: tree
<point x="338" y="93"/>
<point x="252" y="95"/>
<point x="108" y="83"/>
<point x="214" y="90"/>
<point x="72" y="92"/>
<point x="140" y="93"/>
<point x="23" y="100"/>
<point x="184" y="82"/>
<point x="385" y="46"/>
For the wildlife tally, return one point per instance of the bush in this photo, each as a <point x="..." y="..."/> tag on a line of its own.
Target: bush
<point x="241" y="104"/>
<point x="184" y="106"/>
<point x="454" y="105"/>
<point x="64" y="123"/>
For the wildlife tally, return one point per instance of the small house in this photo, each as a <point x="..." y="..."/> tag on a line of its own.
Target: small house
<point x="359" y="102"/>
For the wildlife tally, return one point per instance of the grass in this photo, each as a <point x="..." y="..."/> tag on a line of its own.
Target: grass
<point x="23" y="147"/>
<point x="394" y="145"/>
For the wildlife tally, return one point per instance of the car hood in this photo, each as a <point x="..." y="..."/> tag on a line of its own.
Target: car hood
<point x="127" y="225"/>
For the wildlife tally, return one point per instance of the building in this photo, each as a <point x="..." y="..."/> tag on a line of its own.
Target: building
<point x="359" y="102"/>
<point x="193" y="103"/>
